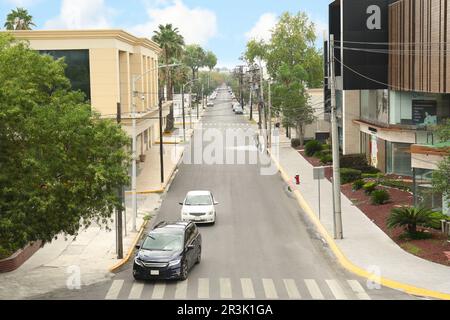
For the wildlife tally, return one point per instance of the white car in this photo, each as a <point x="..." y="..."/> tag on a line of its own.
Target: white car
<point x="199" y="207"/>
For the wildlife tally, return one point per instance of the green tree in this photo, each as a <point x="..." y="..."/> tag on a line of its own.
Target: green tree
<point x="210" y="62"/>
<point x="60" y="165"/>
<point x="171" y="43"/>
<point x="19" y="19"/>
<point x="441" y="176"/>
<point x="194" y="58"/>
<point x="294" y="64"/>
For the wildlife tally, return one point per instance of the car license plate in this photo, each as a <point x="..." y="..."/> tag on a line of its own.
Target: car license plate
<point x="154" y="272"/>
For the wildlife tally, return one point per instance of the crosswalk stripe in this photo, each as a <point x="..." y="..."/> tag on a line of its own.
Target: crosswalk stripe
<point x="225" y="288"/>
<point x="203" y="288"/>
<point x="136" y="291"/>
<point x="247" y="288"/>
<point x="158" y="291"/>
<point x="359" y="290"/>
<point x="114" y="290"/>
<point x="336" y="289"/>
<point x="269" y="289"/>
<point x="291" y="289"/>
<point x="313" y="289"/>
<point x="181" y="289"/>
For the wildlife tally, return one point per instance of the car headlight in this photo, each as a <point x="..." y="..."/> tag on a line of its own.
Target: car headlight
<point x="138" y="261"/>
<point x="211" y="213"/>
<point x="174" y="263"/>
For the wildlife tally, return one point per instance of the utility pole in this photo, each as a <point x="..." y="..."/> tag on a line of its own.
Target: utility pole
<point x="161" y="142"/>
<point x="251" y="101"/>
<point x="338" y="232"/>
<point x="241" y="83"/>
<point x="190" y="106"/>
<point x="270" y="117"/>
<point x="119" y="212"/>
<point x="134" y="158"/>
<point x="184" y="116"/>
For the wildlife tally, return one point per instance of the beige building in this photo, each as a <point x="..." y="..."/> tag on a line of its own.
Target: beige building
<point x="103" y="64"/>
<point x="320" y="128"/>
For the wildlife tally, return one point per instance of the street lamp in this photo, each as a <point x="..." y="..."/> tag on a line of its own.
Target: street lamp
<point x="134" y="144"/>
<point x="182" y="106"/>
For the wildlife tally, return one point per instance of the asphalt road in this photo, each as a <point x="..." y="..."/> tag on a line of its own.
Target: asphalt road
<point x="261" y="246"/>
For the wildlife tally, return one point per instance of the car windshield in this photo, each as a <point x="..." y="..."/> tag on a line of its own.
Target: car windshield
<point x="198" y="200"/>
<point x="163" y="242"/>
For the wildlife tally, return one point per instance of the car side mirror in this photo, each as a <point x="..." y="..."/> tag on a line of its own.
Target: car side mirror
<point x="180" y="203"/>
<point x="216" y="203"/>
<point x="190" y="247"/>
<point x="138" y="246"/>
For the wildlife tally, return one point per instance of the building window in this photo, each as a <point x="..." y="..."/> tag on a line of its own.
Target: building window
<point x="77" y="70"/>
<point x="398" y="158"/>
<point x="423" y="190"/>
<point x="374" y="106"/>
<point x="418" y="109"/>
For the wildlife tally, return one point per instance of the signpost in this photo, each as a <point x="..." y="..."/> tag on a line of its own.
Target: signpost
<point x="319" y="174"/>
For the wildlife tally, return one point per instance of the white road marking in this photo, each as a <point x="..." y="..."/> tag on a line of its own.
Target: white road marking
<point x="313" y="289"/>
<point x="269" y="289"/>
<point x="336" y="289"/>
<point x="181" y="290"/>
<point x="292" y="289"/>
<point x="247" y="288"/>
<point x="158" y="291"/>
<point x="203" y="288"/>
<point x="225" y="288"/>
<point x="114" y="290"/>
<point x="359" y="290"/>
<point x="136" y="291"/>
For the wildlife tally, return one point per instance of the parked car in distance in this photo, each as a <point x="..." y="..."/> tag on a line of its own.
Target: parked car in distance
<point x="169" y="251"/>
<point x="238" y="109"/>
<point x="199" y="207"/>
<point x="210" y="104"/>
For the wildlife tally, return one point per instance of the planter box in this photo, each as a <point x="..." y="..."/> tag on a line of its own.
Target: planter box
<point x="19" y="257"/>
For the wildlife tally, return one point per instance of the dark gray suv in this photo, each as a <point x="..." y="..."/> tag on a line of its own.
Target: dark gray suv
<point x="169" y="251"/>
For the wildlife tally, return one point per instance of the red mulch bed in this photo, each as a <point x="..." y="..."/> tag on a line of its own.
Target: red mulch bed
<point x="430" y="249"/>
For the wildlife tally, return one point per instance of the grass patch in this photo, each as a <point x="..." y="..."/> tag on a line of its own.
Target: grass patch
<point x="412" y="248"/>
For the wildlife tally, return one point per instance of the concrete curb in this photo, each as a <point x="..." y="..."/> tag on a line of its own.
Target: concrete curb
<point x="344" y="261"/>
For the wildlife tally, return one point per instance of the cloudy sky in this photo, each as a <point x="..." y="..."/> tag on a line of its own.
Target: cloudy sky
<point x="223" y="26"/>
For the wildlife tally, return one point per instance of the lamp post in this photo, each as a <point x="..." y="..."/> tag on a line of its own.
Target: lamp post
<point x="182" y="106"/>
<point x="134" y="143"/>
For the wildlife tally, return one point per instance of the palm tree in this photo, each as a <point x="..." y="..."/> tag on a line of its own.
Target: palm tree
<point x="19" y="19"/>
<point x="210" y="62"/>
<point x="171" y="43"/>
<point x="411" y="217"/>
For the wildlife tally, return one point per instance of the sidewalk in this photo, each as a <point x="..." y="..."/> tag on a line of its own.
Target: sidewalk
<point x="364" y="244"/>
<point x="93" y="252"/>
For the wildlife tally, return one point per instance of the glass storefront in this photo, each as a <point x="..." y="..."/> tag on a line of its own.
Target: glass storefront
<point x="375" y="106"/>
<point x="423" y="190"/>
<point x="77" y="69"/>
<point x="418" y="109"/>
<point x="398" y="158"/>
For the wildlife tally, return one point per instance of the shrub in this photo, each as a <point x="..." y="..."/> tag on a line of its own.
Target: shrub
<point x="349" y="175"/>
<point x="295" y="143"/>
<point x="372" y="175"/>
<point x="312" y="147"/>
<point x="322" y="153"/>
<point x="435" y="223"/>
<point x="326" y="159"/>
<point x="355" y="161"/>
<point x="370" y="170"/>
<point x="396" y="184"/>
<point x="370" y="187"/>
<point x="410" y="218"/>
<point x="358" y="185"/>
<point x="379" y="197"/>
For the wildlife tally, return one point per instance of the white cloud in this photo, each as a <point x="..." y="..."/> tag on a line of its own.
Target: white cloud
<point x="262" y="30"/>
<point x="82" y="14"/>
<point x="197" y="25"/>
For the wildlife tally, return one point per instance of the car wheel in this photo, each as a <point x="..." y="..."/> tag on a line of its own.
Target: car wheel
<point x="184" y="271"/>
<point x="199" y="255"/>
<point x="137" y="278"/>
